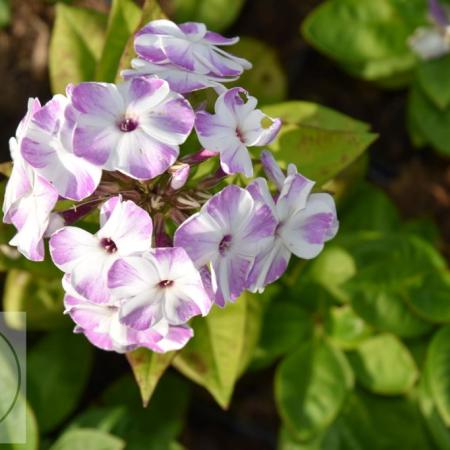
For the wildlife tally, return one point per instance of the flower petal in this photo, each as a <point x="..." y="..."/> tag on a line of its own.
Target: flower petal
<point x="128" y="225"/>
<point x="306" y="231"/>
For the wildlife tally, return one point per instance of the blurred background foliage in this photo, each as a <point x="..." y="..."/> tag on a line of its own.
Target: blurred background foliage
<point x="350" y="351"/>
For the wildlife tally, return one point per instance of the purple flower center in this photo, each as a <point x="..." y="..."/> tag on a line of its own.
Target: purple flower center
<point x="109" y="245"/>
<point x="240" y="135"/>
<point x="225" y="244"/>
<point x="127" y="124"/>
<point x="165" y="283"/>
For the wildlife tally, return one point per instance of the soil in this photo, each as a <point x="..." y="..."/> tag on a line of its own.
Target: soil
<point x="418" y="181"/>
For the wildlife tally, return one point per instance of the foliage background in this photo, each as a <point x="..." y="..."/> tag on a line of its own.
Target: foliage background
<point x="351" y="353"/>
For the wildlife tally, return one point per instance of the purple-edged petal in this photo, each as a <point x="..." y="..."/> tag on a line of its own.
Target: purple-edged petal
<point x="269" y="266"/>
<point x="30" y="215"/>
<point x="145" y="157"/>
<point x="129" y="277"/>
<point x="176" y="339"/>
<point x="179" y="52"/>
<point x="95" y="140"/>
<point x="195" y="30"/>
<point x="259" y="190"/>
<point x="293" y="196"/>
<point x="99" y="99"/>
<point x="142" y="94"/>
<point x="255" y="130"/>
<point x="231" y="208"/>
<point x="19" y="183"/>
<point x="217" y="39"/>
<point x="306" y="231"/>
<point x="170" y="122"/>
<point x="128" y="226"/>
<point x="237" y="160"/>
<point x="272" y="169"/>
<point x="231" y="274"/>
<point x="71" y="245"/>
<point x="108" y="207"/>
<point x="200" y="237"/>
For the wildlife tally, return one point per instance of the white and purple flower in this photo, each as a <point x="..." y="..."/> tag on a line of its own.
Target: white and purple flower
<point x="101" y="325"/>
<point x="126" y="229"/>
<point x="235" y="126"/>
<point x="433" y="41"/>
<point x="29" y="198"/>
<point x="47" y="146"/>
<point x="160" y="286"/>
<point x="305" y="221"/>
<point x="228" y="233"/>
<point x="188" y="55"/>
<point x="135" y="127"/>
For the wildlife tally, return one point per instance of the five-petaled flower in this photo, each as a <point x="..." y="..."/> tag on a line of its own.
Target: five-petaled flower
<point x="101" y="325"/>
<point x="305" y="221"/>
<point x="228" y="233"/>
<point x="126" y="229"/>
<point x="135" y="127"/>
<point x="235" y="126"/>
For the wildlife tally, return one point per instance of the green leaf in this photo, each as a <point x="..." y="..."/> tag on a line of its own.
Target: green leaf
<point x="40" y="299"/>
<point x="105" y="418"/>
<point x="216" y="14"/>
<point x="311" y="386"/>
<point x="288" y="442"/>
<point x="253" y="325"/>
<point x="58" y="370"/>
<point x="265" y="80"/>
<point x="370" y="39"/>
<point x="370" y="422"/>
<point x="150" y="11"/>
<point x="433" y="79"/>
<point x="88" y="439"/>
<point x="439" y="432"/>
<point x="214" y="356"/>
<point x="331" y="269"/>
<point x="400" y="280"/>
<point x="383" y="365"/>
<point x="76" y="44"/>
<point x="345" y="328"/>
<point x="123" y="20"/>
<point x="368" y="208"/>
<point x="319" y="142"/>
<point x="314" y="115"/>
<point x="431" y="122"/>
<point x="151" y="428"/>
<point x="285" y="327"/>
<point x="437" y="368"/>
<point x="148" y="367"/>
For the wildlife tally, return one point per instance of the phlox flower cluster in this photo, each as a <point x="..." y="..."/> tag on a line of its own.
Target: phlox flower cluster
<point x="144" y="246"/>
